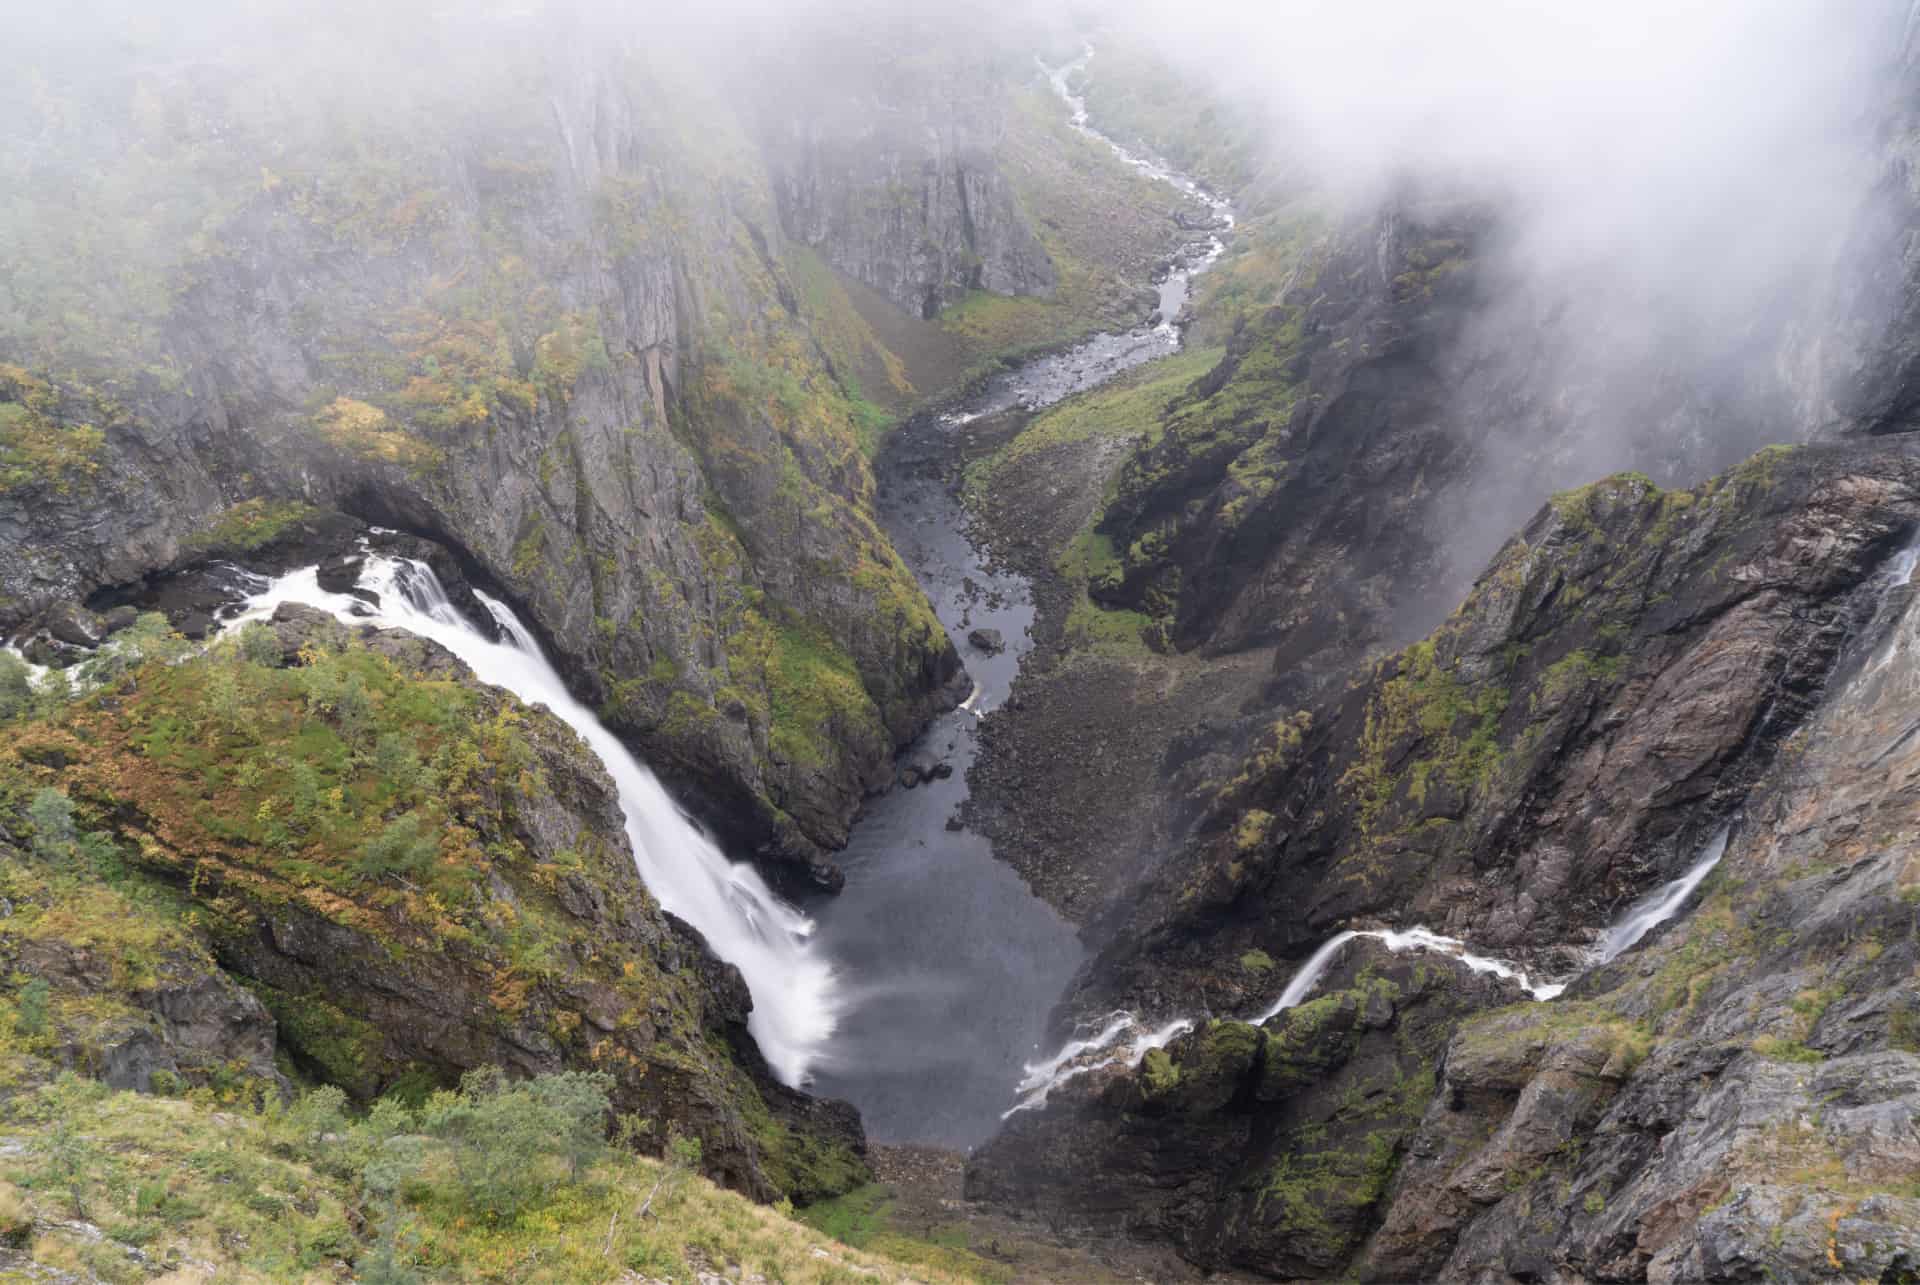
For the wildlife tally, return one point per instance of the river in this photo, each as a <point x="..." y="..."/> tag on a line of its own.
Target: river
<point x="952" y="966"/>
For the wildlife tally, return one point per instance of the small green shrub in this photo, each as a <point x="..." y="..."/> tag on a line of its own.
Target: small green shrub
<point x="507" y="1140"/>
<point x="51" y="813"/>
<point x="405" y="847"/>
<point x="30" y="1010"/>
<point x="16" y="687"/>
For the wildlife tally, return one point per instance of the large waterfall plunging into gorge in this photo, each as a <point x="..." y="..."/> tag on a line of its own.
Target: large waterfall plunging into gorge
<point x="794" y="990"/>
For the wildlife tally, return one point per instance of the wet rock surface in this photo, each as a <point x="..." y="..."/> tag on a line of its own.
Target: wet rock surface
<point x="1264" y="1148"/>
<point x="987" y="640"/>
<point x="1658" y="1122"/>
<point x="1612" y="687"/>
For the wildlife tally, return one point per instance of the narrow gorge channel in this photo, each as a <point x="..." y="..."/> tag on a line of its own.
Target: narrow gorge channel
<point x="951" y="964"/>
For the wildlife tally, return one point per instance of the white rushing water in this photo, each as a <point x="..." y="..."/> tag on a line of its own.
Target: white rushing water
<point x="1661" y="904"/>
<point x="1048" y="380"/>
<point x="795" y="995"/>
<point x="1397" y="941"/>
<point x="1098" y="1050"/>
<point x="36" y="674"/>
<point x="1086" y="1054"/>
<point x="1173" y="289"/>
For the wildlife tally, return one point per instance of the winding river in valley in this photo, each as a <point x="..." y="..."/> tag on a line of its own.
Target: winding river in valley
<point x="950" y="964"/>
<point x="922" y="992"/>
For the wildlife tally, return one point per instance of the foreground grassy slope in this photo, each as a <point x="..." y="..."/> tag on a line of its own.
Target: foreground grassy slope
<point x="126" y="1187"/>
<point x="339" y="850"/>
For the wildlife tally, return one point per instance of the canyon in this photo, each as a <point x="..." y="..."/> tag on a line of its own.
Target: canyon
<point x="1029" y="686"/>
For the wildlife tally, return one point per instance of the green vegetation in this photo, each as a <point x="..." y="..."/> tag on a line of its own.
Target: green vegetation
<point x="1128" y="408"/>
<point x="1225" y="436"/>
<point x="365" y="430"/>
<point x="495" y="1181"/>
<point x="253" y="524"/>
<point x="1319" y="1193"/>
<point x="859" y="355"/>
<point x="1522" y="1032"/>
<point x="1161" y="1073"/>
<point x="867" y="1218"/>
<point x="1456" y="724"/>
<point x="1251" y="830"/>
<point x="16" y="687"/>
<point x="1135" y="97"/>
<point x="194" y="797"/>
<point x="41" y="446"/>
<point x="1574" y="672"/>
<point x="1780" y="1050"/>
<point x="1265" y="258"/>
<point x="815" y="694"/>
<point x="1428" y="266"/>
<point x="1099" y="222"/>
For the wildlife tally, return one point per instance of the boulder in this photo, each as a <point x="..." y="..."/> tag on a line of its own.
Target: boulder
<point x="118" y="619"/>
<point x="196" y="625"/>
<point x="339" y="574"/>
<point x="987" y="640"/>
<point x="42" y="650"/>
<point x="74" y="625"/>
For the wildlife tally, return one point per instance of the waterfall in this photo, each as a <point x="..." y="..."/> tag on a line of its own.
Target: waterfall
<point x="1074" y="1058"/>
<point x="795" y="995"/>
<point x="1662" y="904"/>
<point x="1308" y="975"/>
<point x="1088" y="1053"/>
<point x="1396" y="941"/>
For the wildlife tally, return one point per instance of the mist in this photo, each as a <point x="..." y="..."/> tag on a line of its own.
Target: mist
<point x="1670" y="193"/>
<point x="1677" y="205"/>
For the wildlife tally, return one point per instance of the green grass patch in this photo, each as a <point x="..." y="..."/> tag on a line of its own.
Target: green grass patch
<point x="496" y="1181"/>
<point x="864" y="1218"/>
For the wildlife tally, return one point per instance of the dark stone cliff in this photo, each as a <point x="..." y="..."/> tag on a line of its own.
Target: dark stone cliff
<point x="555" y="328"/>
<point x="1619" y="683"/>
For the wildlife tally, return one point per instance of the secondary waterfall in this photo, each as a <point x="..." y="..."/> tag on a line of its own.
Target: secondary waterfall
<point x="1396" y="941"/>
<point x="795" y="995"/>
<point x="1096" y="1050"/>
<point x="1662" y="904"/>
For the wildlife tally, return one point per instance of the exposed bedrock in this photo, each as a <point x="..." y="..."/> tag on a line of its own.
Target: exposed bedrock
<point x="1618" y="683"/>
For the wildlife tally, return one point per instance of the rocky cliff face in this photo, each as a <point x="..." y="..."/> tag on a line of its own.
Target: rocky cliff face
<point x="1336" y="483"/>
<point x="1766" y="1128"/>
<point x="552" y="325"/>
<point x="411" y="876"/>
<point x="1618" y="683"/>
<point x="1268" y="1148"/>
<point x="1342" y="474"/>
<point x="1613" y="685"/>
<point x="894" y="171"/>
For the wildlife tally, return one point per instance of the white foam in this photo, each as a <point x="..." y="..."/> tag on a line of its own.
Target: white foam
<point x="1662" y="904"/>
<point x="795" y="993"/>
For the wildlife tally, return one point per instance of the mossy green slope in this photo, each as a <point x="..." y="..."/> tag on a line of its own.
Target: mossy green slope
<point x="124" y="1187"/>
<point x="414" y="874"/>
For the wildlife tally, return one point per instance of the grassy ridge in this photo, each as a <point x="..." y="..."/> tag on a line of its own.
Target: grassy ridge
<point x="125" y="1187"/>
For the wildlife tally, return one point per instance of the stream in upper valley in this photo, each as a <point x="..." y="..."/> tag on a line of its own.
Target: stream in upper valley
<point x="951" y="965"/>
<point x="1040" y="383"/>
